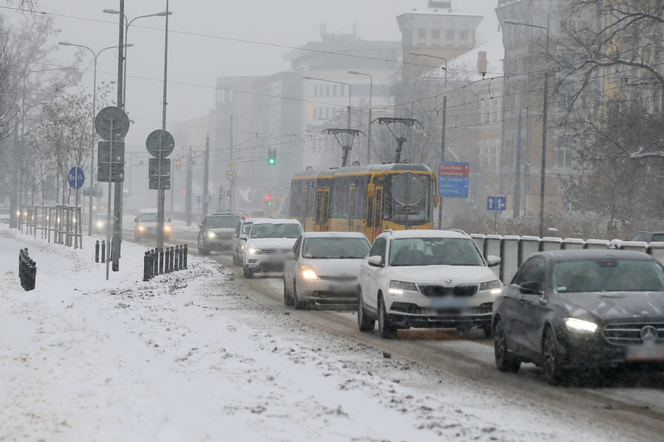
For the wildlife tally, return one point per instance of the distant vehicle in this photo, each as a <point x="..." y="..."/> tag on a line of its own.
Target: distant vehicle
<point x="322" y="269"/>
<point x="102" y="223"/>
<point x="216" y="232"/>
<point x="426" y="278"/>
<point x="242" y="229"/>
<point x="367" y="199"/>
<point x="146" y="225"/>
<point x="267" y="244"/>
<point x="578" y="309"/>
<point x="649" y="236"/>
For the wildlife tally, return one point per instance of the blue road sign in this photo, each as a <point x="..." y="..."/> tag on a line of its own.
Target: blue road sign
<point x="76" y="178"/>
<point x="452" y="187"/>
<point x="496" y="203"/>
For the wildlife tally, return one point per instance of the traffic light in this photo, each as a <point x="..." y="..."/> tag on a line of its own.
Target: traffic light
<point x="177" y="162"/>
<point x="271" y="157"/>
<point x="267" y="200"/>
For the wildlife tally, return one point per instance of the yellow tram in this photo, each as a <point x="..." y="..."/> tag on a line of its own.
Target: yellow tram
<point x="368" y="199"/>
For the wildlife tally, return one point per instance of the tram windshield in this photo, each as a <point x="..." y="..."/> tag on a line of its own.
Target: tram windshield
<point x="407" y="199"/>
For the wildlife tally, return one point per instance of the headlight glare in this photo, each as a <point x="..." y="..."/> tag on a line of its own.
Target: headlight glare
<point x="579" y="325"/>
<point x="141" y="228"/>
<point x="308" y="273"/>
<point x="212" y="235"/>
<point x="397" y="287"/>
<point x="253" y="251"/>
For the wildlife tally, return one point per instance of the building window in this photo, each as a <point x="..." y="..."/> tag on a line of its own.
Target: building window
<point x="327" y="113"/>
<point x="327" y="90"/>
<point x="463" y="35"/>
<point x="334" y="90"/>
<point x="435" y="34"/>
<point x="449" y="35"/>
<point x="421" y="33"/>
<point x="343" y="90"/>
<point x="565" y="151"/>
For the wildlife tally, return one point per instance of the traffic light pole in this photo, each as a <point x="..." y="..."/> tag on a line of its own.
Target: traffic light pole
<point x="187" y="199"/>
<point x="206" y="176"/>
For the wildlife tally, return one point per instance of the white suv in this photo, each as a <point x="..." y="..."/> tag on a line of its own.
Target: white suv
<point x="268" y="243"/>
<point x="426" y="278"/>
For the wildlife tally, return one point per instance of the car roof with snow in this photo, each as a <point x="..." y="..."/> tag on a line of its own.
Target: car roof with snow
<point x="274" y="221"/>
<point x="333" y="235"/>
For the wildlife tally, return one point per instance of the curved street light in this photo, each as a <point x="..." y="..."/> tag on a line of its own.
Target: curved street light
<point x="124" y="56"/>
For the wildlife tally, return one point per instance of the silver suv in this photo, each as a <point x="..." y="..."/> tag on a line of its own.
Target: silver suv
<point x="268" y="243"/>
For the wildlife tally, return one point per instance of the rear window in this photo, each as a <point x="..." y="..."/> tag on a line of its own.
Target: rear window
<point x="607" y="275"/>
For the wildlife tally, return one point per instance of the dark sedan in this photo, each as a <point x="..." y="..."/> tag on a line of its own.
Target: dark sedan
<point x="577" y="309"/>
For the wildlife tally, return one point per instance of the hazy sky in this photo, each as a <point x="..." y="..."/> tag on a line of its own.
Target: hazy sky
<point x="203" y="43"/>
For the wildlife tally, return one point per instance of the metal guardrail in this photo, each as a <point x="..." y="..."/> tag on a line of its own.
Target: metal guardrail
<point x="27" y="270"/>
<point x="159" y="261"/>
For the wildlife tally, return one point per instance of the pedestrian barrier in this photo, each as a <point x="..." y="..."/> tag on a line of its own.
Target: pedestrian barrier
<point x="27" y="270"/>
<point x="159" y="261"/>
<point x="515" y="250"/>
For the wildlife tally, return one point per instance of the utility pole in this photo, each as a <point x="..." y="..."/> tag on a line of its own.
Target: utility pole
<point x="230" y="203"/>
<point x="117" y="211"/>
<point x="517" y="172"/>
<point x="161" y="196"/>
<point x="187" y="200"/>
<point x="206" y="175"/>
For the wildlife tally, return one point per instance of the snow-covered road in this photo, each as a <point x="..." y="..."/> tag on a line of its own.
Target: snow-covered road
<point x="188" y="357"/>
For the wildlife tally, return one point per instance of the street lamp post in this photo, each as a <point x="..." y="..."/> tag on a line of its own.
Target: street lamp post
<point x="115" y="12"/>
<point x="94" y="112"/>
<point x="544" y="116"/>
<point x="370" y="108"/>
<point x="442" y="143"/>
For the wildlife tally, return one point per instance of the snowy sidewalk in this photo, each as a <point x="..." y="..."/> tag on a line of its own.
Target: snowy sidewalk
<point x="186" y="357"/>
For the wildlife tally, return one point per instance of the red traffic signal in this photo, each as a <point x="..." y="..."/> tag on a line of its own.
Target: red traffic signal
<point x="267" y="197"/>
<point x="177" y="161"/>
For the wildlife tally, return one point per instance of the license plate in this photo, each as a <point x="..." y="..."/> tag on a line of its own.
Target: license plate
<point x="449" y="302"/>
<point x="644" y="353"/>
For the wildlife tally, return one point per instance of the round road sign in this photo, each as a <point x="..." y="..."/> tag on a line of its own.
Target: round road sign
<point x="112" y="116"/>
<point x="231" y="175"/>
<point x="76" y="178"/>
<point x="160" y="140"/>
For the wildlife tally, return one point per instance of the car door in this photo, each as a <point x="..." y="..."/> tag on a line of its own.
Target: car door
<point x="534" y="307"/>
<point x="291" y="265"/>
<point x="511" y="308"/>
<point x="369" y="275"/>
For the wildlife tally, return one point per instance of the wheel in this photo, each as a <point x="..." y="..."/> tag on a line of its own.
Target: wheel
<point x="201" y="248"/>
<point x="247" y="273"/>
<point x="553" y="372"/>
<point x="504" y="360"/>
<point x="487" y="331"/>
<point x="299" y="305"/>
<point x="364" y="322"/>
<point x="288" y="299"/>
<point x="387" y="330"/>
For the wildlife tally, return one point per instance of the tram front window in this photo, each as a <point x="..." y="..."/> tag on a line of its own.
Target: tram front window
<point x="408" y="199"/>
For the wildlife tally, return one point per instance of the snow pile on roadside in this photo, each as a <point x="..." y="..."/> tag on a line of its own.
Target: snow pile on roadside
<point x="186" y="357"/>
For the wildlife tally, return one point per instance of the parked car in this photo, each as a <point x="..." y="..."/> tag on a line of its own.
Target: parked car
<point x="146" y="225"/>
<point x="216" y="232"/>
<point x="580" y="309"/>
<point x="426" y="278"/>
<point x="322" y="269"/>
<point x="239" y="239"/>
<point x="268" y="243"/>
<point x="649" y="236"/>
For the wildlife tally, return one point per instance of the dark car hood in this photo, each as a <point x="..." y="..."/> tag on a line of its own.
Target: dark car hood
<point x="614" y="305"/>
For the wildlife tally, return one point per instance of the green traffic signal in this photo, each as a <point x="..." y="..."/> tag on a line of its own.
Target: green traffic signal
<point x="271" y="157"/>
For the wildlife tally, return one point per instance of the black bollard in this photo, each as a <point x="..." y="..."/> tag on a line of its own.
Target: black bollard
<point x="160" y="252"/>
<point x="103" y="251"/>
<point x="172" y="259"/>
<point x="184" y="256"/>
<point x="178" y="257"/>
<point x="146" y="266"/>
<point x="97" y="251"/>
<point x="155" y="263"/>
<point x="167" y="260"/>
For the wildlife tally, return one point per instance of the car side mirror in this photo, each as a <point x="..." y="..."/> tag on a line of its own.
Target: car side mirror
<point x="375" y="261"/>
<point x="168" y="220"/>
<point x="290" y="256"/>
<point x="492" y="260"/>
<point x="531" y="288"/>
<point x="135" y="220"/>
<point x="243" y="238"/>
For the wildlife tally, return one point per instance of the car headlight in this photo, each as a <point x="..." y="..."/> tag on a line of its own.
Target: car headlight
<point x="167" y="228"/>
<point x="579" y="325"/>
<point x="100" y="224"/>
<point x="494" y="286"/>
<point x="212" y="235"/>
<point x="397" y="287"/>
<point x="241" y="246"/>
<point x="253" y="251"/>
<point x="141" y="228"/>
<point x="308" y="273"/>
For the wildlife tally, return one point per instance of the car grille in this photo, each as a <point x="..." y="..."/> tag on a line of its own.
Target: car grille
<point x="630" y="333"/>
<point x="414" y="309"/>
<point x="339" y="278"/>
<point x="433" y="291"/>
<point x="273" y="251"/>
